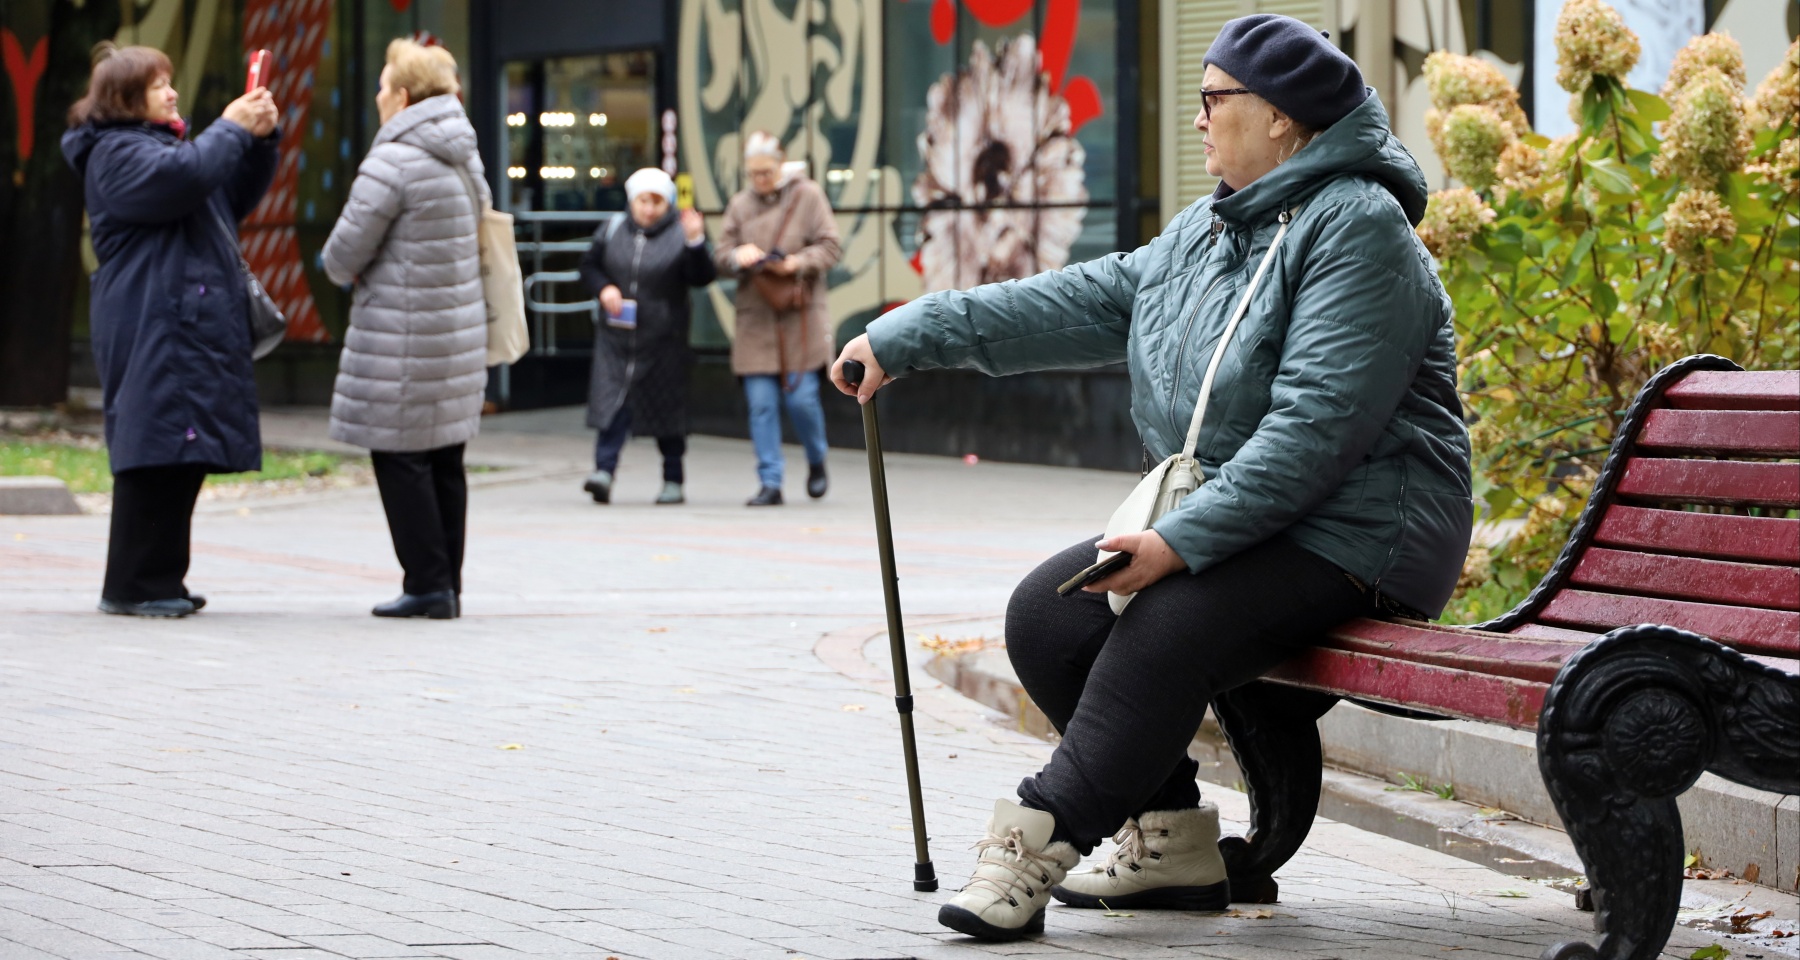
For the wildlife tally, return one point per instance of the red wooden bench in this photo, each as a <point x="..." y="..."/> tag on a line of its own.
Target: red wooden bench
<point x="1664" y="642"/>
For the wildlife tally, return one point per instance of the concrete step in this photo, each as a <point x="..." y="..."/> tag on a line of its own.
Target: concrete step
<point x="38" y="496"/>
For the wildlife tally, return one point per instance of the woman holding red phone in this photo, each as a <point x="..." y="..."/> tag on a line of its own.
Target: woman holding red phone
<point x="169" y="308"/>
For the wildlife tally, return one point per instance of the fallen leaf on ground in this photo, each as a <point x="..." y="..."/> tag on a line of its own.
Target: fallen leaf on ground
<point x="663" y="558"/>
<point x="512" y="746"/>
<point x="1512" y="894"/>
<point x="1740" y="922"/>
<point x="1705" y="873"/>
<point x="1710" y="952"/>
<point x="657" y="630"/>
<point x="853" y="708"/>
<point x="1251" y="914"/>
<point x="686" y="690"/>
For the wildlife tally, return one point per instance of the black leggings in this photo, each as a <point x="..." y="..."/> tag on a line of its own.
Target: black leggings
<point x="1127" y="692"/>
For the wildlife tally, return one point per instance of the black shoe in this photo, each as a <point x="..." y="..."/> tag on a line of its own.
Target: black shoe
<point x="816" y="481"/>
<point x="198" y="601"/>
<point x="599" y="484"/>
<point x="439" y="605"/>
<point x="166" y="609"/>
<point x="766" y="497"/>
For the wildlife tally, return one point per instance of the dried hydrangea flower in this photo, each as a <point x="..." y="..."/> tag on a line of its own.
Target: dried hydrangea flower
<point x="1591" y="38"/>
<point x="1705" y="138"/>
<point x="1779" y="165"/>
<point x="1454" y="80"/>
<point x="1520" y="167"/>
<point x="996" y="143"/>
<point x="1473" y="137"/>
<point x="1715" y="50"/>
<point x="1453" y="218"/>
<point x="1695" y="217"/>
<point x="1778" y="95"/>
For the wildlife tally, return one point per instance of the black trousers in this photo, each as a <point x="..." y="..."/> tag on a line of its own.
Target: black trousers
<point x="1127" y="692"/>
<point x="152" y="524"/>
<point x="426" y="497"/>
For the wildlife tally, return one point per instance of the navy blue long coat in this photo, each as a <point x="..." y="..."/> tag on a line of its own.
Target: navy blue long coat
<point x="169" y="311"/>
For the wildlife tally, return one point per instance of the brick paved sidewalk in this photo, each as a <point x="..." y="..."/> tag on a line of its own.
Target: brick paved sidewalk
<point x="656" y="733"/>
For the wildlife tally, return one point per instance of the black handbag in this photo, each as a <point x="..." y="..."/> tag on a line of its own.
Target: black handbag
<point x="268" y="325"/>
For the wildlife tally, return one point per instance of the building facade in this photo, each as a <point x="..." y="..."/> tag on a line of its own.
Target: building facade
<point x="960" y="142"/>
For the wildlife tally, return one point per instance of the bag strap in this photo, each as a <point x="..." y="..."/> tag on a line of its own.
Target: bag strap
<point x="793" y="204"/>
<point x="1212" y="368"/>
<point x="462" y="173"/>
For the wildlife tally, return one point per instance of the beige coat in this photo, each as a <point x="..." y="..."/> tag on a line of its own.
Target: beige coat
<point x="802" y="342"/>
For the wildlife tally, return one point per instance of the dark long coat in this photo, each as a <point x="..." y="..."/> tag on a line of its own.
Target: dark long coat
<point x="647" y="366"/>
<point x="169" y="312"/>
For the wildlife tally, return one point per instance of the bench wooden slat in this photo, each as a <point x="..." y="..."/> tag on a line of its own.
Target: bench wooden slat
<point x="1544" y="631"/>
<point x="1733" y="390"/>
<point x="1770" y="539"/>
<point x="1765" y="432"/>
<point x="1422" y="686"/>
<point x="1689" y="578"/>
<point x="1712" y="481"/>
<point x="1750" y="629"/>
<point x="1493" y="653"/>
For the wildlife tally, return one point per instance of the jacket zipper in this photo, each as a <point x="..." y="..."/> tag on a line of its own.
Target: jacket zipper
<point x="637" y="262"/>
<point x="1193" y="315"/>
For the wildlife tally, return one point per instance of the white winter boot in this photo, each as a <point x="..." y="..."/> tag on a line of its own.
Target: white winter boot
<point x="1167" y="860"/>
<point x="1017" y="866"/>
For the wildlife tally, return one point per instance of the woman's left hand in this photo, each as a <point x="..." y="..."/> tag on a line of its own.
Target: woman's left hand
<point x="1151" y="560"/>
<point x="693" y="225"/>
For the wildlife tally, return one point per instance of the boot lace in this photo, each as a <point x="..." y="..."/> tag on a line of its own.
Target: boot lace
<point x="1129" y="848"/>
<point x="1026" y="866"/>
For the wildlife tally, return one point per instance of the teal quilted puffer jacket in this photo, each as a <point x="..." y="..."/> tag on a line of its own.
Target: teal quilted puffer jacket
<point x="1334" y="417"/>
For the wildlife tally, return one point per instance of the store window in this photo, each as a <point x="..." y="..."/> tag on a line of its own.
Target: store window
<point x="576" y="128"/>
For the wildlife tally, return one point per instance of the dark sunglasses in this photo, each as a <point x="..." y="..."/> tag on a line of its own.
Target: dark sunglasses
<point x="1206" y="98"/>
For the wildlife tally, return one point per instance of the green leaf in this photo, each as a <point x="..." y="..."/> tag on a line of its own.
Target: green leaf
<point x="1578" y="257"/>
<point x="1648" y="106"/>
<point x="1710" y="952"/>
<point x="1611" y="176"/>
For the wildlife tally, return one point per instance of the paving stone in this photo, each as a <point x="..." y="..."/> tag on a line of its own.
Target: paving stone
<point x="687" y="781"/>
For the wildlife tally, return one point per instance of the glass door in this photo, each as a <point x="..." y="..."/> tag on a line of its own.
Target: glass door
<point x="576" y="127"/>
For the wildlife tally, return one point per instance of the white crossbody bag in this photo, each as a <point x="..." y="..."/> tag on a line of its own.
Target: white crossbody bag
<point x="1169" y="482"/>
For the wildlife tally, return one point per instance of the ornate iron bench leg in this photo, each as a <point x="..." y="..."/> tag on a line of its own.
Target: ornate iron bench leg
<point x="1274" y="734"/>
<point x="1631" y="721"/>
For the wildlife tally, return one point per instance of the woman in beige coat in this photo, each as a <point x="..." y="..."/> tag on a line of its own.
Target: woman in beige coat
<point x="781" y="226"/>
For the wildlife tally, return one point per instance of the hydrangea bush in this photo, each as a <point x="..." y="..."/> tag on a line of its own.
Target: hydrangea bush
<point x="1668" y="225"/>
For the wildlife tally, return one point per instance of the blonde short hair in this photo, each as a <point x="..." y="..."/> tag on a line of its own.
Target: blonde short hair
<point x="422" y="71"/>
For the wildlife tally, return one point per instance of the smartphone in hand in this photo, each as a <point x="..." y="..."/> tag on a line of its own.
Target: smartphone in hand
<point x="258" y="74"/>
<point x="1095" y="573"/>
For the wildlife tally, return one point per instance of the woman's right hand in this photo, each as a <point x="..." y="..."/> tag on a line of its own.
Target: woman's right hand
<point x="611" y="300"/>
<point x="874" y="378"/>
<point x="748" y="255"/>
<point x="254" y="111"/>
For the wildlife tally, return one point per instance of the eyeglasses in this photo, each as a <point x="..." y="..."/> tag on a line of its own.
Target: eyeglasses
<point x="1206" y="98"/>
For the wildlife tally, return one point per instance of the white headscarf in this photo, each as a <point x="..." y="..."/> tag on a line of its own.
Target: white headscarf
<point x="649" y="180"/>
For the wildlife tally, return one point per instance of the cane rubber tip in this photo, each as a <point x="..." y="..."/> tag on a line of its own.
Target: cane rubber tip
<point x="924" y="877"/>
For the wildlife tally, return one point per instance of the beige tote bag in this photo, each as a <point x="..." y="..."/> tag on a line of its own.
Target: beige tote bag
<point x="502" y="284"/>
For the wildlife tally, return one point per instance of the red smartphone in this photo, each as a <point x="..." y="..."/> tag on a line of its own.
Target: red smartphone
<point x="258" y="75"/>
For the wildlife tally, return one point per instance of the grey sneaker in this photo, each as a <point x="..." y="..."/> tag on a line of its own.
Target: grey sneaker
<point x="599" y="483"/>
<point x="671" y="493"/>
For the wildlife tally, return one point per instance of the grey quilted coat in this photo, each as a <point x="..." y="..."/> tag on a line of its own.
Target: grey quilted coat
<point x="414" y="365"/>
<point x="1334" y="418"/>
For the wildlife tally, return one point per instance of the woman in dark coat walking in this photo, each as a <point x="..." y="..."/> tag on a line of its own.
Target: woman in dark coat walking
<point x="169" y="309"/>
<point x="641" y="267"/>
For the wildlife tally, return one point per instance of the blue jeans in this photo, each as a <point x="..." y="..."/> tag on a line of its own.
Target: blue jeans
<point x="766" y="400"/>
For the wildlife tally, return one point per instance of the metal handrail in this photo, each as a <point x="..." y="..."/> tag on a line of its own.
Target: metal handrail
<point x="546" y="332"/>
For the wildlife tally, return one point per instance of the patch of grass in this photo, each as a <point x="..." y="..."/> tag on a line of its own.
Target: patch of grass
<point x="85" y="468"/>
<point x="1443" y="791"/>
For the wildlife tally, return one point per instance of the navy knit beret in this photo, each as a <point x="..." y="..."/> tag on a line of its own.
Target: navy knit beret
<point x="1291" y="65"/>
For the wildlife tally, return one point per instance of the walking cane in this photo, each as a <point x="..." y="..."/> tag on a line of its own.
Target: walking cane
<point x="924" y="876"/>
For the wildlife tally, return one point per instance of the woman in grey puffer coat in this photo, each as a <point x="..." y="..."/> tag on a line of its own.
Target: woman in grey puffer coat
<point x="414" y="366"/>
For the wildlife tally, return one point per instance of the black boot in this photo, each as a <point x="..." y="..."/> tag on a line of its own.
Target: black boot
<point x="438" y="605"/>
<point x="816" y="481"/>
<point x="172" y="607"/>
<point x="766" y="497"/>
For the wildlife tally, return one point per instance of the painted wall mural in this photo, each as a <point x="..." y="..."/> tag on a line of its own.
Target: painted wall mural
<point x="958" y="140"/>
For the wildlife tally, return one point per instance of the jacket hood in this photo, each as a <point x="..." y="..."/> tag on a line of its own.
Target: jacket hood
<point x="438" y="125"/>
<point x="1361" y="144"/>
<point x="78" y="143"/>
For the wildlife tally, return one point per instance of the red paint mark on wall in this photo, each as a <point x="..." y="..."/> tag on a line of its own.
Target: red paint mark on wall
<point x="294" y="31"/>
<point x="1062" y="21"/>
<point x="25" y="71"/>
